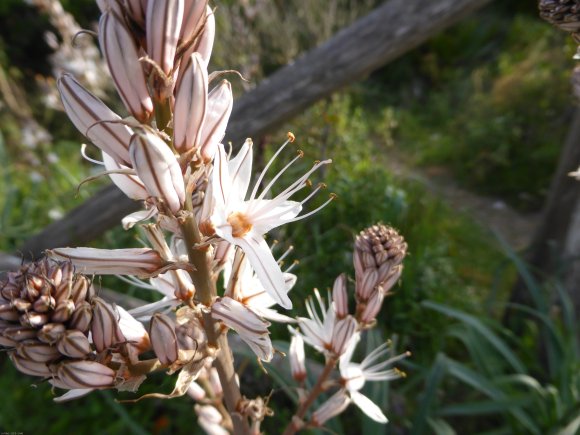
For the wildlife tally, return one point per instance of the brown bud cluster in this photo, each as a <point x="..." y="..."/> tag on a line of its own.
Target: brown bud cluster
<point x="378" y="256"/>
<point x="564" y="14"/>
<point x="46" y="315"/>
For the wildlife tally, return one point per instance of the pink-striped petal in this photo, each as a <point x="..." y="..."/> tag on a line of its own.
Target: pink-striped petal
<point x="94" y="119"/>
<point x="122" y="56"/>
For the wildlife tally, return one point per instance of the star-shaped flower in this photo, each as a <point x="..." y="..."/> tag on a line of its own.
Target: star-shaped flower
<point x="243" y="222"/>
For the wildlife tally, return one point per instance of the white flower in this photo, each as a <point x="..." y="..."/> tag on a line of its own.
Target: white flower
<point x="317" y="329"/>
<point x="354" y="376"/>
<point x="249" y="291"/>
<point x="243" y="222"/>
<point x="250" y="327"/>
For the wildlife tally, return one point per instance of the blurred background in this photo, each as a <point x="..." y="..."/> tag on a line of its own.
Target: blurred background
<point x="456" y="143"/>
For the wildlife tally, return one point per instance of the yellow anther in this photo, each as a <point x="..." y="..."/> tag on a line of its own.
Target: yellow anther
<point x="291" y="136"/>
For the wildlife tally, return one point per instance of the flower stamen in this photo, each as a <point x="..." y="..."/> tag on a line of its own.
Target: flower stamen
<point x="240" y="224"/>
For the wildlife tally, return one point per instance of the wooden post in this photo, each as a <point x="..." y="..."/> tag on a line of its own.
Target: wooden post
<point x="557" y="239"/>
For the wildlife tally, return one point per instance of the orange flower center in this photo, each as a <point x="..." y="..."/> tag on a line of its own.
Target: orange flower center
<point x="240" y="224"/>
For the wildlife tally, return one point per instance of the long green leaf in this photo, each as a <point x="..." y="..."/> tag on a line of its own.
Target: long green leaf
<point x="486" y="387"/>
<point x="440" y="427"/>
<point x="483" y="407"/>
<point x="434" y="378"/>
<point x="486" y="333"/>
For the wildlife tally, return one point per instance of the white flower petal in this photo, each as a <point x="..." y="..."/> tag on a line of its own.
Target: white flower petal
<point x="266" y="267"/>
<point x="72" y="394"/>
<point x="130" y="185"/>
<point x="368" y="407"/>
<point x="251" y="328"/>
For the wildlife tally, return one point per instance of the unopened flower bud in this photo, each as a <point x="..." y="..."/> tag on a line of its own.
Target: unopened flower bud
<point x="85" y="374"/>
<point x="343" y="332"/>
<point x="379" y="252"/>
<point x="190" y="105"/>
<point x="19" y="333"/>
<point x="38" y="352"/>
<point x="158" y="169"/>
<point x="340" y="297"/>
<point x="81" y="318"/>
<point x="33" y="319"/>
<point x="130" y="261"/>
<point x="74" y="344"/>
<point x="219" y="108"/>
<point x="163" y="25"/>
<point x="368" y="310"/>
<point x="203" y="31"/>
<point x="104" y="326"/>
<point x="63" y="311"/>
<point x="562" y="13"/>
<point x="33" y="368"/>
<point x="122" y="57"/>
<point x="8" y="313"/>
<point x="44" y="303"/>
<point x="81" y="289"/>
<point x="51" y="332"/>
<point x="297" y="358"/>
<point x="94" y="119"/>
<point x="163" y="338"/>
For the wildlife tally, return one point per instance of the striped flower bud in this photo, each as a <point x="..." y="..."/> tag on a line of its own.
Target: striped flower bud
<point x="136" y="10"/>
<point x="158" y="169"/>
<point x="343" y="333"/>
<point x="105" y="329"/>
<point x="43" y="299"/>
<point x="564" y="14"/>
<point x="30" y="367"/>
<point x="81" y="318"/>
<point x="190" y="105"/>
<point x="142" y="262"/>
<point x="163" y="25"/>
<point x="37" y="351"/>
<point x="251" y="328"/>
<point x="74" y="344"/>
<point x="379" y="252"/>
<point x="369" y="310"/>
<point x="340" y="297"/>
<point x="192" y="15"/>
<point x="122" y="57"/>
<point x="94" y="119"/>
<point x="163" y="338"/>
<point x="219" y="108"/>
<point x="198" y="32"/>
<point x="297" y="358"/>
<point x="85" y="374"/>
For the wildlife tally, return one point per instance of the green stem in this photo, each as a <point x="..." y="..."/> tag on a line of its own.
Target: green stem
<point x="292" y="427"/>
<point x="201" y="277"/>
<point x="206" y="291"/>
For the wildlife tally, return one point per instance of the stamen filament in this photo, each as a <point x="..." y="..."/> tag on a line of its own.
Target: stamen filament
<point x="310" y="213"/>
<point x="90" y="159"/>
<point x="256" y="186"/>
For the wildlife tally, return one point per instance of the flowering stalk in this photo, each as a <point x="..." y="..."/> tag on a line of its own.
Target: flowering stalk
<point x="297" y="421"/>
<point x="205" y="221"/>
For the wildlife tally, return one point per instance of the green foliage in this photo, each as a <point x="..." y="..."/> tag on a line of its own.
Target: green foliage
<point x="487" y="100"/>
<point x="490" y="100"/>
<point x="518" y="384"/>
